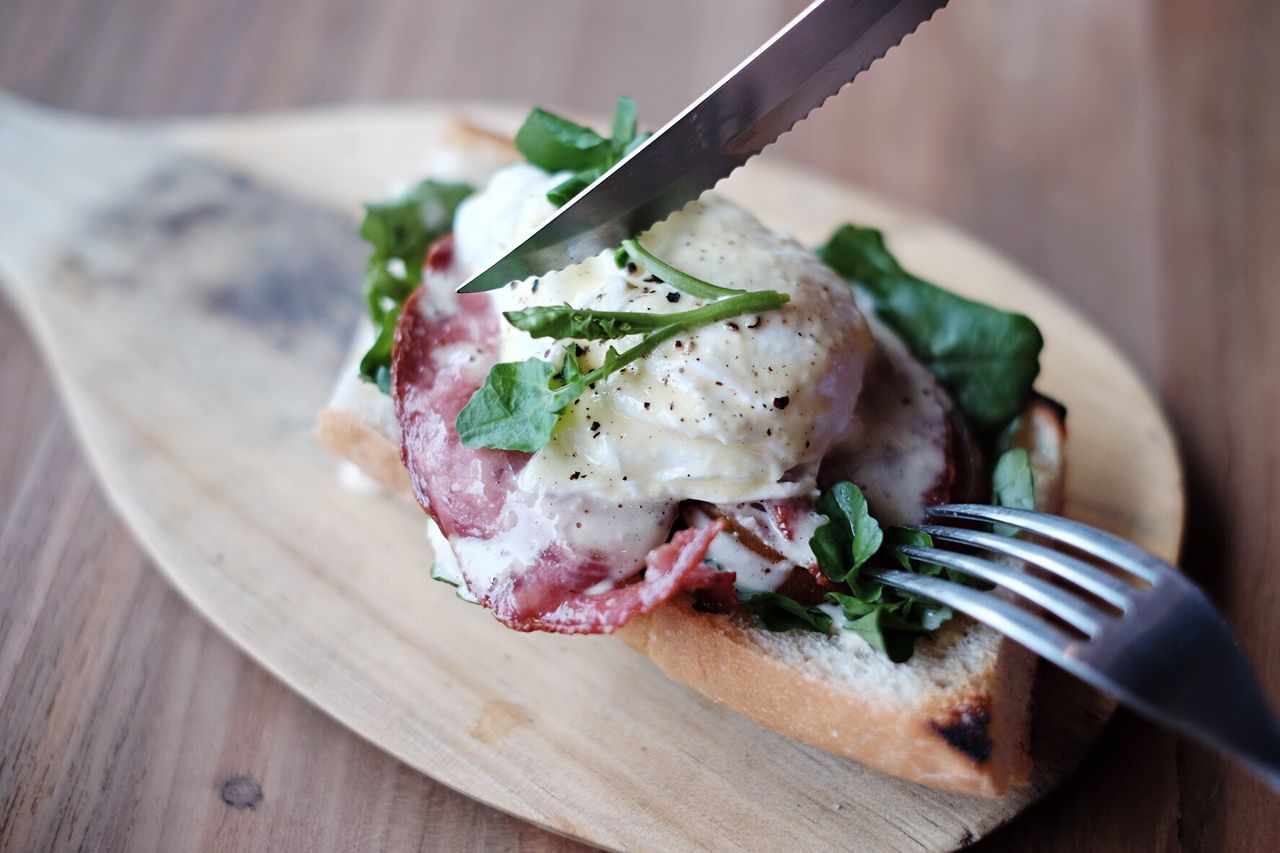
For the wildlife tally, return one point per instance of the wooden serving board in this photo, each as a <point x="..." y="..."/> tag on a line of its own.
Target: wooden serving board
<point x="194" y="286"/>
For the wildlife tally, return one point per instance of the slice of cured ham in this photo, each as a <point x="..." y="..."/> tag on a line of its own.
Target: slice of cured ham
<point x="540" y="599"/>
<point x="538" y="561"/>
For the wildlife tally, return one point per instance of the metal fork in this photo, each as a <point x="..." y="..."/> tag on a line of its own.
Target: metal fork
<point x="1144" y="634"/>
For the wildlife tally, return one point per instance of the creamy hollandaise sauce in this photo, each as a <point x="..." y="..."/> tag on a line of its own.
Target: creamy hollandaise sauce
<point x="734" y="411"/>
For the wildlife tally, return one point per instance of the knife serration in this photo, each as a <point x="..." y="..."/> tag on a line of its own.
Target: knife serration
<point x="810" y="59"/>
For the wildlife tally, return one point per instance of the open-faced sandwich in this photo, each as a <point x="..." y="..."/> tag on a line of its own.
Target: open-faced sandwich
<point x="697" y="440"/>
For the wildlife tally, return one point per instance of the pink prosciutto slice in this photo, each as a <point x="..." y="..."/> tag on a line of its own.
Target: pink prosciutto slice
<point x="536" y="600"/>
<point x="523" y="556"/>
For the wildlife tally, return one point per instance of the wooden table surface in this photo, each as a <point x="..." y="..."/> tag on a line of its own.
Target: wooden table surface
<point x="1129" y="153"/>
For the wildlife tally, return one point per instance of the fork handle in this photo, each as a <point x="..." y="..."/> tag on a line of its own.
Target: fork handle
<point x="1257" y="750"/>
<point x="1208" y="692"/>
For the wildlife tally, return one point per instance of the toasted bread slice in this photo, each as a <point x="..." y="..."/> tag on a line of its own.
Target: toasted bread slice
<point x="955" y="717"/>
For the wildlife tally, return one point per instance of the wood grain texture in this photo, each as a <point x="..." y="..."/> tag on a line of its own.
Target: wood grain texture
<point x="1220" y="199"/>
<point x="1124" y="151"/>
<point x="131" y="724"/>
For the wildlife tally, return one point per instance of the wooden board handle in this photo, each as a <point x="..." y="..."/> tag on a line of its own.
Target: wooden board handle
<point x="55" y="169"/>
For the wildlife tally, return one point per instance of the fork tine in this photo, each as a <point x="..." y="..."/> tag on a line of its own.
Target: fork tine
<point x="1057" y="601"/>
<point x="1037" y="634"/>
<point x="1091" y="540"/>
<point x="1079" y="572"/>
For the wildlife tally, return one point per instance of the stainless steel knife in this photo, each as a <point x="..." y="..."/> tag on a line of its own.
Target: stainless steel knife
<point x="803" y="64"/>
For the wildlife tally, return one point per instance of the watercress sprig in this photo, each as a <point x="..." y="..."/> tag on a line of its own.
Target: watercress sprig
<point x="887" y="619"/>
<point x="401" y="229"/>
<point x="520" y="403"/>
<point x="848" y="539"/>
<point x="987" y="358"/>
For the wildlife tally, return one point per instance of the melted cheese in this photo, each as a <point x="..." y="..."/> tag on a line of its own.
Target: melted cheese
<point x="735" y="411"/>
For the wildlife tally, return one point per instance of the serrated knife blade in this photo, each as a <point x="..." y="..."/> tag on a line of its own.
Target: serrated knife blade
<point x="810" y="59"/>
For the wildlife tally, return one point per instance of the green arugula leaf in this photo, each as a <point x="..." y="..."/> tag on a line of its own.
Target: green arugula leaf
<point x="775" y="612"/>
<point x="405" y="225"/>
<point x="848" y="538"/>
<point x="889" y="620"/>
<point x="563" y="192"/>
<point x="401" y="230"/>
<point x="556" y="144"/>
<point x="375" y="364"/>
<point x="626" y="121"/>
<point x="987" y="358"/>
<point x="891" y="628"/>
<point x="519" y="404"/>
<point x="747" y="303"/>
<point x="678" y="279"/>
<point x="1013" y="484"/>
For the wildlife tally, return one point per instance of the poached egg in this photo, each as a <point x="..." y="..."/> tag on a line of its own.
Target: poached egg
<point x="739" y="410"/>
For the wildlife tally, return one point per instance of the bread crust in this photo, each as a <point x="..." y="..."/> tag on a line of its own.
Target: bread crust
<point x="970" y="739"/>
<point x="347" y="434"/>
